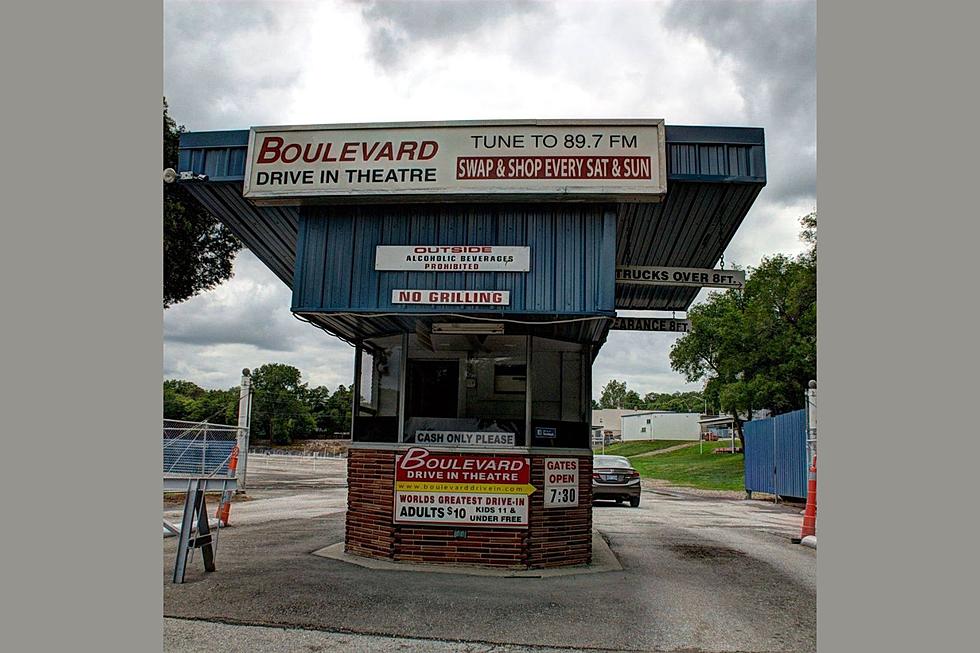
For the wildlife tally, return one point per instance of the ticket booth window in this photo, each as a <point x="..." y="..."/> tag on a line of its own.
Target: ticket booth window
<point x="466" y="383"/>
<point x="378" y="386"/>
<point x="534" y="390"/>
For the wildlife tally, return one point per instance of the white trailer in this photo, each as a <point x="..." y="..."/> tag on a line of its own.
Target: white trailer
<point x="658" y="425"/>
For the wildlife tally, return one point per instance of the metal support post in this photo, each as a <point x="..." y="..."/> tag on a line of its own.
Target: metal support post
<point x="528" y="440"/>
<point x="244" y="424"/>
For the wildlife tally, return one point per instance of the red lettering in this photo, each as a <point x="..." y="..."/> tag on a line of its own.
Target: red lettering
<point x="286" y="157"/>
<point x="316" y="155"/>
<point x="426" y="154"/>
<point x="366" y="152"/>
<point x="407" y="148"/>
<point x="269" y="153"/>
<point x="349" y="152"/>
<point x="386" y="152"/>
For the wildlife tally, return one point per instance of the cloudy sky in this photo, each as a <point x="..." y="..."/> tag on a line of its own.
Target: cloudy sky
<point x="231" y="65"/>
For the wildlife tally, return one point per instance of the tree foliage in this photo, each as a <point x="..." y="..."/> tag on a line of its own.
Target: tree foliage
<point x="198" y="251"/>
<point x="756" y="348"/>
<point x="283" y="407"/>
<point x="188" y="401"/>
<point x="616" y="394"/>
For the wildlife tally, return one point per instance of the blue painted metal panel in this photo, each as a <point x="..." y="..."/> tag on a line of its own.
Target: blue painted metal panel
<point x="730" y="154"/>
<point x="775" y="455"/>
<point x="570" y="247"/>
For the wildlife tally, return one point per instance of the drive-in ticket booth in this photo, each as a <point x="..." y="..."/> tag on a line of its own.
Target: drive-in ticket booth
<point x="473" y="268"/>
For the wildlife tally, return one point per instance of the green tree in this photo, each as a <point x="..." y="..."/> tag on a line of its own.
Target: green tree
<point x="331" y="411"/>
<point x="198" y="250"/>
<point x="756" y="348"/>
<point x="678" y="402"/>
<point x="615" y="394"/>
<point x="280" y="411"/>
<point x="188" y="401"/>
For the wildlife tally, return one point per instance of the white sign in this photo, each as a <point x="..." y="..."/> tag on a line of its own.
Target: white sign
<point x="546" y="159"/>
<point x="472" y="297"/>
<point x="453" y="258"/>
<point x="466" y="438"/>
<point x="561" y="482"/>
<point x="668" y="276"/>
<point x="461" y="509"/>
<point x="462" y="489"/>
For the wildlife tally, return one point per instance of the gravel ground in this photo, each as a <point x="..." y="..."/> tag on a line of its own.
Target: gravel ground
<point x="207" y="637"/>
<point x="700" y="574"/>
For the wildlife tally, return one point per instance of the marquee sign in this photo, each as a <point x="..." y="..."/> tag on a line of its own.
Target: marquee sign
<point x="535" y="159"/>
<point x="670" y="276"/>
<point x="453" y="258"/>
<point x="462" y="490"/>
<point x="439" y="297"/>
<point x="651" y="324"/>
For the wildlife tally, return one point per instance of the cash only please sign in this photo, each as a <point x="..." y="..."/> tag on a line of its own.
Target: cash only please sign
<point x="462" y="489"/>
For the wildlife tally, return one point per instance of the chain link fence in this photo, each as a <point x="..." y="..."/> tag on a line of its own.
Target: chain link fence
<point x="198" y="449"/>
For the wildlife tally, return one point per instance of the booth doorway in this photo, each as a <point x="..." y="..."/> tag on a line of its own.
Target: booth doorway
<point x="433" y="388"/>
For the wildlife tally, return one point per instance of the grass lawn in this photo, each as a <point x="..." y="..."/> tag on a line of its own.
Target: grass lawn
<point x="708" y="471"/>
<point x="639" y="446"/>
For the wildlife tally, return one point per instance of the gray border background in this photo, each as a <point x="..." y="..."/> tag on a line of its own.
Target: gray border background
<point x="82" y="326"/>
<point x="897" y="356"/>
<point x="81" y="255"/>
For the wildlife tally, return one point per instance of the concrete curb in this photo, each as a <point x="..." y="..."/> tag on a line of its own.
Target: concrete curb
<point x="603" y="559"/>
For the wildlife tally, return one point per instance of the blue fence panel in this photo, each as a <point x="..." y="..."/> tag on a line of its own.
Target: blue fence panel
<point x="759" y="456"/>
<point x="775" y="455"/>
<point x="183" y="457"/>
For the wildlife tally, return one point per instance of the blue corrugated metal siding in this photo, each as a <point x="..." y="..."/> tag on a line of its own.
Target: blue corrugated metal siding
<point x="694" y="153"/>
<point x="714" y="175"/>
<point x="570" y="247"/>
<point x="775" y="455"/>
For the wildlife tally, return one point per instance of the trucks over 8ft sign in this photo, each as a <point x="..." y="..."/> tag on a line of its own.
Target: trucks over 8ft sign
<point x="493" y="160"/>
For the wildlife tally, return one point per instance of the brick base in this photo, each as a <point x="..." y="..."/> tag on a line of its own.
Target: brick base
<point x="555" y="537"/>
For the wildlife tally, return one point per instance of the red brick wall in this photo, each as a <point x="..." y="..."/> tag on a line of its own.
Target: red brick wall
<point x="555" y="537"/>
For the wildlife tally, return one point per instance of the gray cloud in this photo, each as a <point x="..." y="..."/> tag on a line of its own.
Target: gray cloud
<point x="239" y="64"/>
<point x="246" y="322"/>
<point x="773" y="48"/>
<point x="396" y="27"/>
<point x="641" y="359"/>
<point x="230" y="65"/>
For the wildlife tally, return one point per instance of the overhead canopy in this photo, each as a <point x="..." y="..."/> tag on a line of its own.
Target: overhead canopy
<point x="714" y="175"/>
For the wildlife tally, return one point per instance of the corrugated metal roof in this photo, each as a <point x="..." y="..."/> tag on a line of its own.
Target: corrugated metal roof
<point x="714" y="175"/>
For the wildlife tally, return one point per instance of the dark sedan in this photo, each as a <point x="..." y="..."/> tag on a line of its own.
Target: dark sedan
<point x="613" y="477"/>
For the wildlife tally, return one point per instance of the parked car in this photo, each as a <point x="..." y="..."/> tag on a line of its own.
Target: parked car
<point x="613" y="477"/>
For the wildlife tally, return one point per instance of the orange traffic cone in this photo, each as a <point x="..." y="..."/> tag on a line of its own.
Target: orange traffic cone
<point x="224" y="508"/>
<point x="810" y="514"/>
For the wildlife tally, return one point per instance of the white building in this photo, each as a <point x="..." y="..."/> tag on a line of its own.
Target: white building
<point x="609" y="420"/>
<point x="660" y="425"/>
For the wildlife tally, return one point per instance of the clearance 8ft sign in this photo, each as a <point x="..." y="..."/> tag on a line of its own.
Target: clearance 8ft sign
<point x="502" y="160"/>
